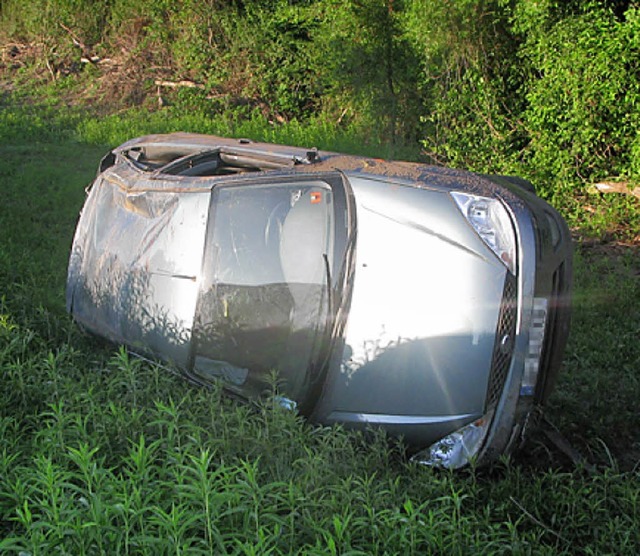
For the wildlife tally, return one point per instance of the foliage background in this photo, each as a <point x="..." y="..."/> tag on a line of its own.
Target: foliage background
<point x="547" y="89"/>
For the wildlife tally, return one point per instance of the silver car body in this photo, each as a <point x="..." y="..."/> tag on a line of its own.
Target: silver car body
<point x="377" y="288"/>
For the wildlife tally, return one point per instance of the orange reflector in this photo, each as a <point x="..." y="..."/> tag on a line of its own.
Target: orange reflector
<point x="316" y="197"/>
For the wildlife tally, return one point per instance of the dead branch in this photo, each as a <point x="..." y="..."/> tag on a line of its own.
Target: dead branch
<point x="87" y="56"/>
<point x="74" y="38"/>
<point x="51" y="71"/>
<point x="617" y="187"/>
<point x="90" y="60"/>
<point x="537" y="521"/>
<point x="558" y="439"/>
<point x="176" y="84"/>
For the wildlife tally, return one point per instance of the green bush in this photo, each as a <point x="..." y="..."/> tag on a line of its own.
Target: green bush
<point x="470" y="82"/>
<point x="582" y="95"/>
<point x="547" y="89"/>
<point x="369" y="68"/>
<point x="57" y="25"/>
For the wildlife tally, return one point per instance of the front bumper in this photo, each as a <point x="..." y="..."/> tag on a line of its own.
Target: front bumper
<point x="544" y="285"/>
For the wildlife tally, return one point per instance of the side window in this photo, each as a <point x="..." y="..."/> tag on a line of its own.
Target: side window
<point x="263" y="305"/>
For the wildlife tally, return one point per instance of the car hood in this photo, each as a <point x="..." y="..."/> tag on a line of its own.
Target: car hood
<point x="425" y="303"/>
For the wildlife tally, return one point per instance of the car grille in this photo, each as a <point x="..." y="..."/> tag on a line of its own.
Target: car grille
<point x="505" y="337"/>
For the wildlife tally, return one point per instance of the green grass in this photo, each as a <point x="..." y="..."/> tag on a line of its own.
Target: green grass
<point x="597" y="399"/>
<point x="104" y="454"/>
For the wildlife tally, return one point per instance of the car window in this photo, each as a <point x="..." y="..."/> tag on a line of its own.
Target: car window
<point x="264" y="303"/>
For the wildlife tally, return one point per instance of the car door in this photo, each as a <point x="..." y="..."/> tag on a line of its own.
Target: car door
<point x="272" y="282"/>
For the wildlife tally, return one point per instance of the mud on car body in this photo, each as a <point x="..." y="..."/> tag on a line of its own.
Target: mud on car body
<point x="428" y="301"/>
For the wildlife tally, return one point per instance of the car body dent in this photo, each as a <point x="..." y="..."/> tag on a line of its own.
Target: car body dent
<point x="135" y="267"/>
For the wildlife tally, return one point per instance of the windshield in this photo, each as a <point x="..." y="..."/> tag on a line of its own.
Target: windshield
<point x="265" y="303"/>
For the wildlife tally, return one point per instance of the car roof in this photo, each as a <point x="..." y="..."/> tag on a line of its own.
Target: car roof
<point x="312" y="160"/>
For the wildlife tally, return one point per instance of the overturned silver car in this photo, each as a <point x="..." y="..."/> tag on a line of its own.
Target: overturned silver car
<point x="428" y="301"/>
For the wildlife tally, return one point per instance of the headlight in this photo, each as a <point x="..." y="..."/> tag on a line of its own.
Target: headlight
<point x="458" y="448"/>
<point x="492" y="223"/>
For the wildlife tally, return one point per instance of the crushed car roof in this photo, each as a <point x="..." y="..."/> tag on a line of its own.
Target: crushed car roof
<point x="268" y="156"/>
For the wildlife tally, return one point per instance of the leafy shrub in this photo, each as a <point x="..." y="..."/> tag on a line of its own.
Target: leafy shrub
<point x="469" y="83"/>
<point x="582" y="96"/>
<point x="369" y="69"/>
<point x="543" y="89"/>
<point x="58" y="29"/>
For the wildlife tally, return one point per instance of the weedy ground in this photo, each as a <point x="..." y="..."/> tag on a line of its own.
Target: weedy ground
<point x="104" y="454"/>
